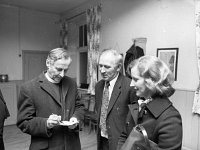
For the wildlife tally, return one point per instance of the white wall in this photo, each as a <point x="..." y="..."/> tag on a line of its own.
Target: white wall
<point x="165" y="23"/>
<point x="22" y="29"/>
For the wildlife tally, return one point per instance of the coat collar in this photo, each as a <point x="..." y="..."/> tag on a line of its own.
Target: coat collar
<point x="157" y="106"/>
<point x="44" y="83"/>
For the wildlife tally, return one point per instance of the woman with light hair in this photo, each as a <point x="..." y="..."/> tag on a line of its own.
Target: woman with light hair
<point x="152" y="81"/>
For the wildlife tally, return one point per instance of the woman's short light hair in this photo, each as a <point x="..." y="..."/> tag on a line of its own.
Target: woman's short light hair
<point x="157" y="75"/>
<point x="56" y="54"/>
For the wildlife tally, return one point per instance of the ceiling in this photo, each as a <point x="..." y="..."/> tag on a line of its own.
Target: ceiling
<point x="51" y="6"/>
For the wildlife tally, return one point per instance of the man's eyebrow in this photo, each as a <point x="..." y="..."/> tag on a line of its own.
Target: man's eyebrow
<point x="134" y="78"/>
<point x="61" y="68"/>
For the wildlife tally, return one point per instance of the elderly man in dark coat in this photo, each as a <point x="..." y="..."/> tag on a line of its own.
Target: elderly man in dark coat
<point x="45" y="101"/>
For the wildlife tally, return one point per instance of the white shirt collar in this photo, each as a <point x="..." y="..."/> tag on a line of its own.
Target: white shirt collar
<point x="49" y="79"/>
<point x="144" y="101"/>
<point x="112" y="82"/>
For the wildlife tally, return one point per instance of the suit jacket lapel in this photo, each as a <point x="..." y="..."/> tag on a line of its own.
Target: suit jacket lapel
<point x="100" y="95"/>
<point x="115" y="93"/>
<point x="134" y="109"/>
<point x="45" y="86"/>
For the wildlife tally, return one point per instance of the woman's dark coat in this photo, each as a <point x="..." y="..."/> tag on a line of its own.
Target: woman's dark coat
<point x="162" y="122"/>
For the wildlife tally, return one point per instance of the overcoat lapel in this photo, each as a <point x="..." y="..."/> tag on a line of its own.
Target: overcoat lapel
<point x="45" y="86"/>
<point x="6" y="109"/>
<point x="65" y="87"/>
<point x="115" y="93"/>
<point x="1" y="97"/>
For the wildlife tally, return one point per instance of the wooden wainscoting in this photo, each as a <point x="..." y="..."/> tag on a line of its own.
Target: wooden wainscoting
<point x="183" y="101"/>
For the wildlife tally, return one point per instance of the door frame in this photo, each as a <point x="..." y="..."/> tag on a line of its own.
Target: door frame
<point x="29" y="52"/>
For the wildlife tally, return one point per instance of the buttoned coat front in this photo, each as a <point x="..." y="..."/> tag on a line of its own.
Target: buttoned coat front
<point x="37" y="101"/>
<point x="117" y="110"/>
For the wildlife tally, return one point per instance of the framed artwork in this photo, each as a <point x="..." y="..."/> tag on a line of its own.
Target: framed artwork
<point x="170" y="57"/>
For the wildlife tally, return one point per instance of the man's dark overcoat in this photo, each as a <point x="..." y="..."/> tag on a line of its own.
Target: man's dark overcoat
<point x="37" y="101"/>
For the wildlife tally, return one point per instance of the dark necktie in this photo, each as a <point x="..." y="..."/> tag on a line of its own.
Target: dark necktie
<point x="104" y="108"/>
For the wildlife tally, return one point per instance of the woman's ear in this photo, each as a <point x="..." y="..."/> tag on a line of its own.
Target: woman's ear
<point x="151" y="85"/>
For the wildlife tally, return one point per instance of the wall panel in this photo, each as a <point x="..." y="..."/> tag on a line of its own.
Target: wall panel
<point x="183" y="101"/>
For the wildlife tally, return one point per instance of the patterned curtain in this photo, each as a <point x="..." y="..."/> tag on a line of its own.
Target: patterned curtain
<point x="63" y="34"/>
<point x="196" y="104"/>
<point x="93" y="36"/>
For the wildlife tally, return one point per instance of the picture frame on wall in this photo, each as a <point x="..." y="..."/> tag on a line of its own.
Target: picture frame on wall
<point x="170" y="57"/>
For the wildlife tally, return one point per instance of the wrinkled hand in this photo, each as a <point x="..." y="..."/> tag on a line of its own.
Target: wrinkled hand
<point x="53" y="120"/>
<point x="73" y="119"/>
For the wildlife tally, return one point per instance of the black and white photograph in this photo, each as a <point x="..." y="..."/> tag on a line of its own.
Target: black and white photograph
<point x="99" y="74"/>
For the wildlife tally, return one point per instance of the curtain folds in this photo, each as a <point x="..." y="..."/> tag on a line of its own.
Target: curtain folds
<point x="63" y="34"/>
<point x="196" y="103"/>
<point x="93" y="37"/>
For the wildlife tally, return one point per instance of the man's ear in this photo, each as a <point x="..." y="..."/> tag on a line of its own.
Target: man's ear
<point x="119" y="67"/>
<point x="48" y="63"/>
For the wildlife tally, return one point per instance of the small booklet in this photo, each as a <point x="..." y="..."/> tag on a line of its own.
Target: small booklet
<point x="67" y="123"/>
